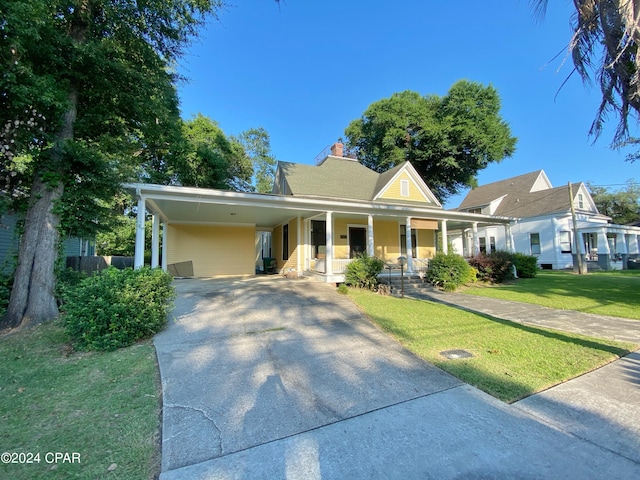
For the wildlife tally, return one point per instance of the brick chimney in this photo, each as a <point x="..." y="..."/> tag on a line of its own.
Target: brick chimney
<point x="337" y="150"/>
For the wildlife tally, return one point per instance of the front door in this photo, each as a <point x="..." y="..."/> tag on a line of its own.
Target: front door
<point x="357" y="241"/>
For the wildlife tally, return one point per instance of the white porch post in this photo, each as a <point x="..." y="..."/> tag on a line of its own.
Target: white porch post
<point x="307" y="245"/>
<point x="138" y="259"/>
<point x="164" y="247"/>
<point x="476" y="240"/>
<point x="370" y="245"/>
<point x="445" y="241"/>
<point x="329" y="248"/>
<point x="508" y="237"/>
<point x="155" y="241"/>
<point x="407" y="228"/>
<point x="603" y="242"/>
<point x="300" y="247"/>
<point x="633" y="244"/>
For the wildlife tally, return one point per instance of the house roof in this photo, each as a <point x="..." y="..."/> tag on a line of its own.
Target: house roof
<point x="335" y="177"/>
<point x="345" y="178"/>
<point x="527" y="195"/>
<point x="484" y="195"/>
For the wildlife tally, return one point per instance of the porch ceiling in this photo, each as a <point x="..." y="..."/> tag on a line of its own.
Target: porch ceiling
<point x="204" y="206"/>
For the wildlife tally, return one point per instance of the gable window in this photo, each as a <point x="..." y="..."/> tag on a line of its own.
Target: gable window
<point x="483" y="245"/>
<point x="404" y="188"/>
<point x="565" y="242"/>
<point x="534" y="240"/>
<point x="403" y="240"/>
<point x="580" y="201"/>
<point x="285" y="242"/>
<point x="475" y="210"/>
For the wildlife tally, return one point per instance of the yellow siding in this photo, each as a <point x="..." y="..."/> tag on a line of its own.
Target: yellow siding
<point x="214" y="250"/>
<point x="392" y="192"/>
<point x="426" y="244"/>
<point x="386" y="239"/>
<point x="292" y="262"/>
<point x="341" y="229"/>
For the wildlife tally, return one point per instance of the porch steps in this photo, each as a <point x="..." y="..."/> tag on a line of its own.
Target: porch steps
<point x="411" y="282"/>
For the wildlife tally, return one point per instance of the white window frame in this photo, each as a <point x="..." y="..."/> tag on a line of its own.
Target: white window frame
<point x="537" y="244"/>
<point x="563" y="243"/>
<point x="404" y="188"/>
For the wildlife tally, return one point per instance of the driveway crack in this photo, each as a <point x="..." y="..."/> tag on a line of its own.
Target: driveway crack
<point x="205" y="415"/>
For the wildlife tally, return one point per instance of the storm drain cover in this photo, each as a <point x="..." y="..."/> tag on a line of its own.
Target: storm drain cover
<point x="454" y="354"/>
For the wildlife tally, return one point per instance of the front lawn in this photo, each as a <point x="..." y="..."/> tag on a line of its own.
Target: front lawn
<point x="510" y="362"/>
<point x="102" y="409"/>
<point x="604" y="293"/>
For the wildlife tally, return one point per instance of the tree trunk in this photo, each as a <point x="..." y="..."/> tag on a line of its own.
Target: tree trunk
<point x="33" y="297"/>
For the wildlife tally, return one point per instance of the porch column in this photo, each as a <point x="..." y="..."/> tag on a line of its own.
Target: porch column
<point x="307" y="245"/>
<point x="138" y="259"/>
<point x="300" y="247"/>
<point x="508" y="238"/>
<point x="155" y="241"/>
<point x="603" y="250"/>
<point x="370" y="245"/>
<point x="445" y="241"/>
<point x="476" y="240"/>
<point x="633" y="244"/>
<point x="407" y="228"/>
<point x="329" y="247"/>
<point x="164" y="247"/>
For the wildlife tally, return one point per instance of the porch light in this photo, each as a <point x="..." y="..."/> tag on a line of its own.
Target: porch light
<point x="402" y="261"/>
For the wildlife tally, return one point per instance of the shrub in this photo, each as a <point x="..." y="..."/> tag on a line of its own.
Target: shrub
<point x="66" y="280"/>
<point x="526" y="265"/>
<point x="363" y="272"/>
<point x="115" y="308"/>
<point x="449" y="271"/>
<point x="6" y="282"/>
<point x="495" y="267"/>
<point x="343" y="289"/>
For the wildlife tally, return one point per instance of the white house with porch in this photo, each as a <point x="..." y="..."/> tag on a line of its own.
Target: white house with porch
<point x="316" y="220"/>
<point x="545" y="225"/>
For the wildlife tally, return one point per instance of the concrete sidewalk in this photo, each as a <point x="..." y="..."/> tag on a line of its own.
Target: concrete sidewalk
<point x="622" y="329"/>
<point x="274" y="378"/>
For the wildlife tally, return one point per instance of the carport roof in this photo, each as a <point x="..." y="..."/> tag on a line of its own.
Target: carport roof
<point x="189" y="205"/>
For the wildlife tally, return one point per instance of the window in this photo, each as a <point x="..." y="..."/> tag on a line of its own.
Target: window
<point x="565" y="242"/>
<point x="580" y="201"/>
<point x="534" y="239"/>
<point x="404" y="188"/>
<point x="403" y="240"/>
<point x="492" y="244"/>
<point x="318" y="238"/>
<point x="285" y="242"/>
<point x="475" y="210"/>
<point x="483" y="245"/>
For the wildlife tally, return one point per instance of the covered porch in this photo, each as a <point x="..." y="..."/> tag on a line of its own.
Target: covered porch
<point x="232" y="233"/>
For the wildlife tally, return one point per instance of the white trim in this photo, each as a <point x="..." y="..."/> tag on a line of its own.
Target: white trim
<point x="417" y="181"/>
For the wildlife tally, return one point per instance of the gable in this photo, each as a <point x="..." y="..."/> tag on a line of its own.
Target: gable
<point x="484" y="195"/>
<point x="403" y="184"/>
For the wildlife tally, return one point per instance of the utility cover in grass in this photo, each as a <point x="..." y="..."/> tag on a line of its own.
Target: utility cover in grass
<point x="455" y="354"/>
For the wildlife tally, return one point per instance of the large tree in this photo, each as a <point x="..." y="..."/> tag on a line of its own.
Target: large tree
<point x="605" y="41"/>
<point x="257" y="145"/>
<point x="448" y="139"/>
<point x="85" y="90"/>
<point x="623" y="206"/>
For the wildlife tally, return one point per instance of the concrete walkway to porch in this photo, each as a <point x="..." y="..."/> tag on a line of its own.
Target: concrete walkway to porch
<point x="272" y="378"/>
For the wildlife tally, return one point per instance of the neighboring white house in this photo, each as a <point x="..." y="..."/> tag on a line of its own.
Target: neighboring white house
<point x="544" y="227"/>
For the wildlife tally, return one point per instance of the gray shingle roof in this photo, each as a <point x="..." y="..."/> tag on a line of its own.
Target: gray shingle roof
<point x="335" y="177"/>
<point x="519" y="200"/>
<point x="486" y="194"/>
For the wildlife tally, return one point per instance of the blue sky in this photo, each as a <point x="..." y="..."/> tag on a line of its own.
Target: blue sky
<point x="306" y="69"/>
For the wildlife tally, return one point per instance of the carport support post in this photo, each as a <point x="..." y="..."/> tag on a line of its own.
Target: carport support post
<point x="155" y="241"/>
<point x="164" y="247"/>
<point x="445" y="242"/>
<point x="138" y="259"/>
<point x="329" y="247"/>
<point x="370" y="246"/>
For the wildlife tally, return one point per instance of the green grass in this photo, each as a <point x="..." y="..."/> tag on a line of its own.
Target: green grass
<point x="511" y="361"/>
<point x="604" y="293"/>
<point x="103" y="406"/>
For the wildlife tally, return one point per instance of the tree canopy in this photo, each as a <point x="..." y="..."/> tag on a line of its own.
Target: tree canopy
<point x="87" y="94"/>
<point x="605" y="41"/>
<point x="448" y="139"/>
<point x="623" y="206"/>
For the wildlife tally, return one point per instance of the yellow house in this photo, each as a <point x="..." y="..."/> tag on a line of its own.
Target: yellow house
<point x="316" y="220"/>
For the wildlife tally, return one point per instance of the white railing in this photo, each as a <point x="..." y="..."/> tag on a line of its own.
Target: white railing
<point x="340" y="265"/>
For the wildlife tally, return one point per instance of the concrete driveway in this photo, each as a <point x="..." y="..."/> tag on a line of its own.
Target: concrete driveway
<point x="273" y="378"/>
